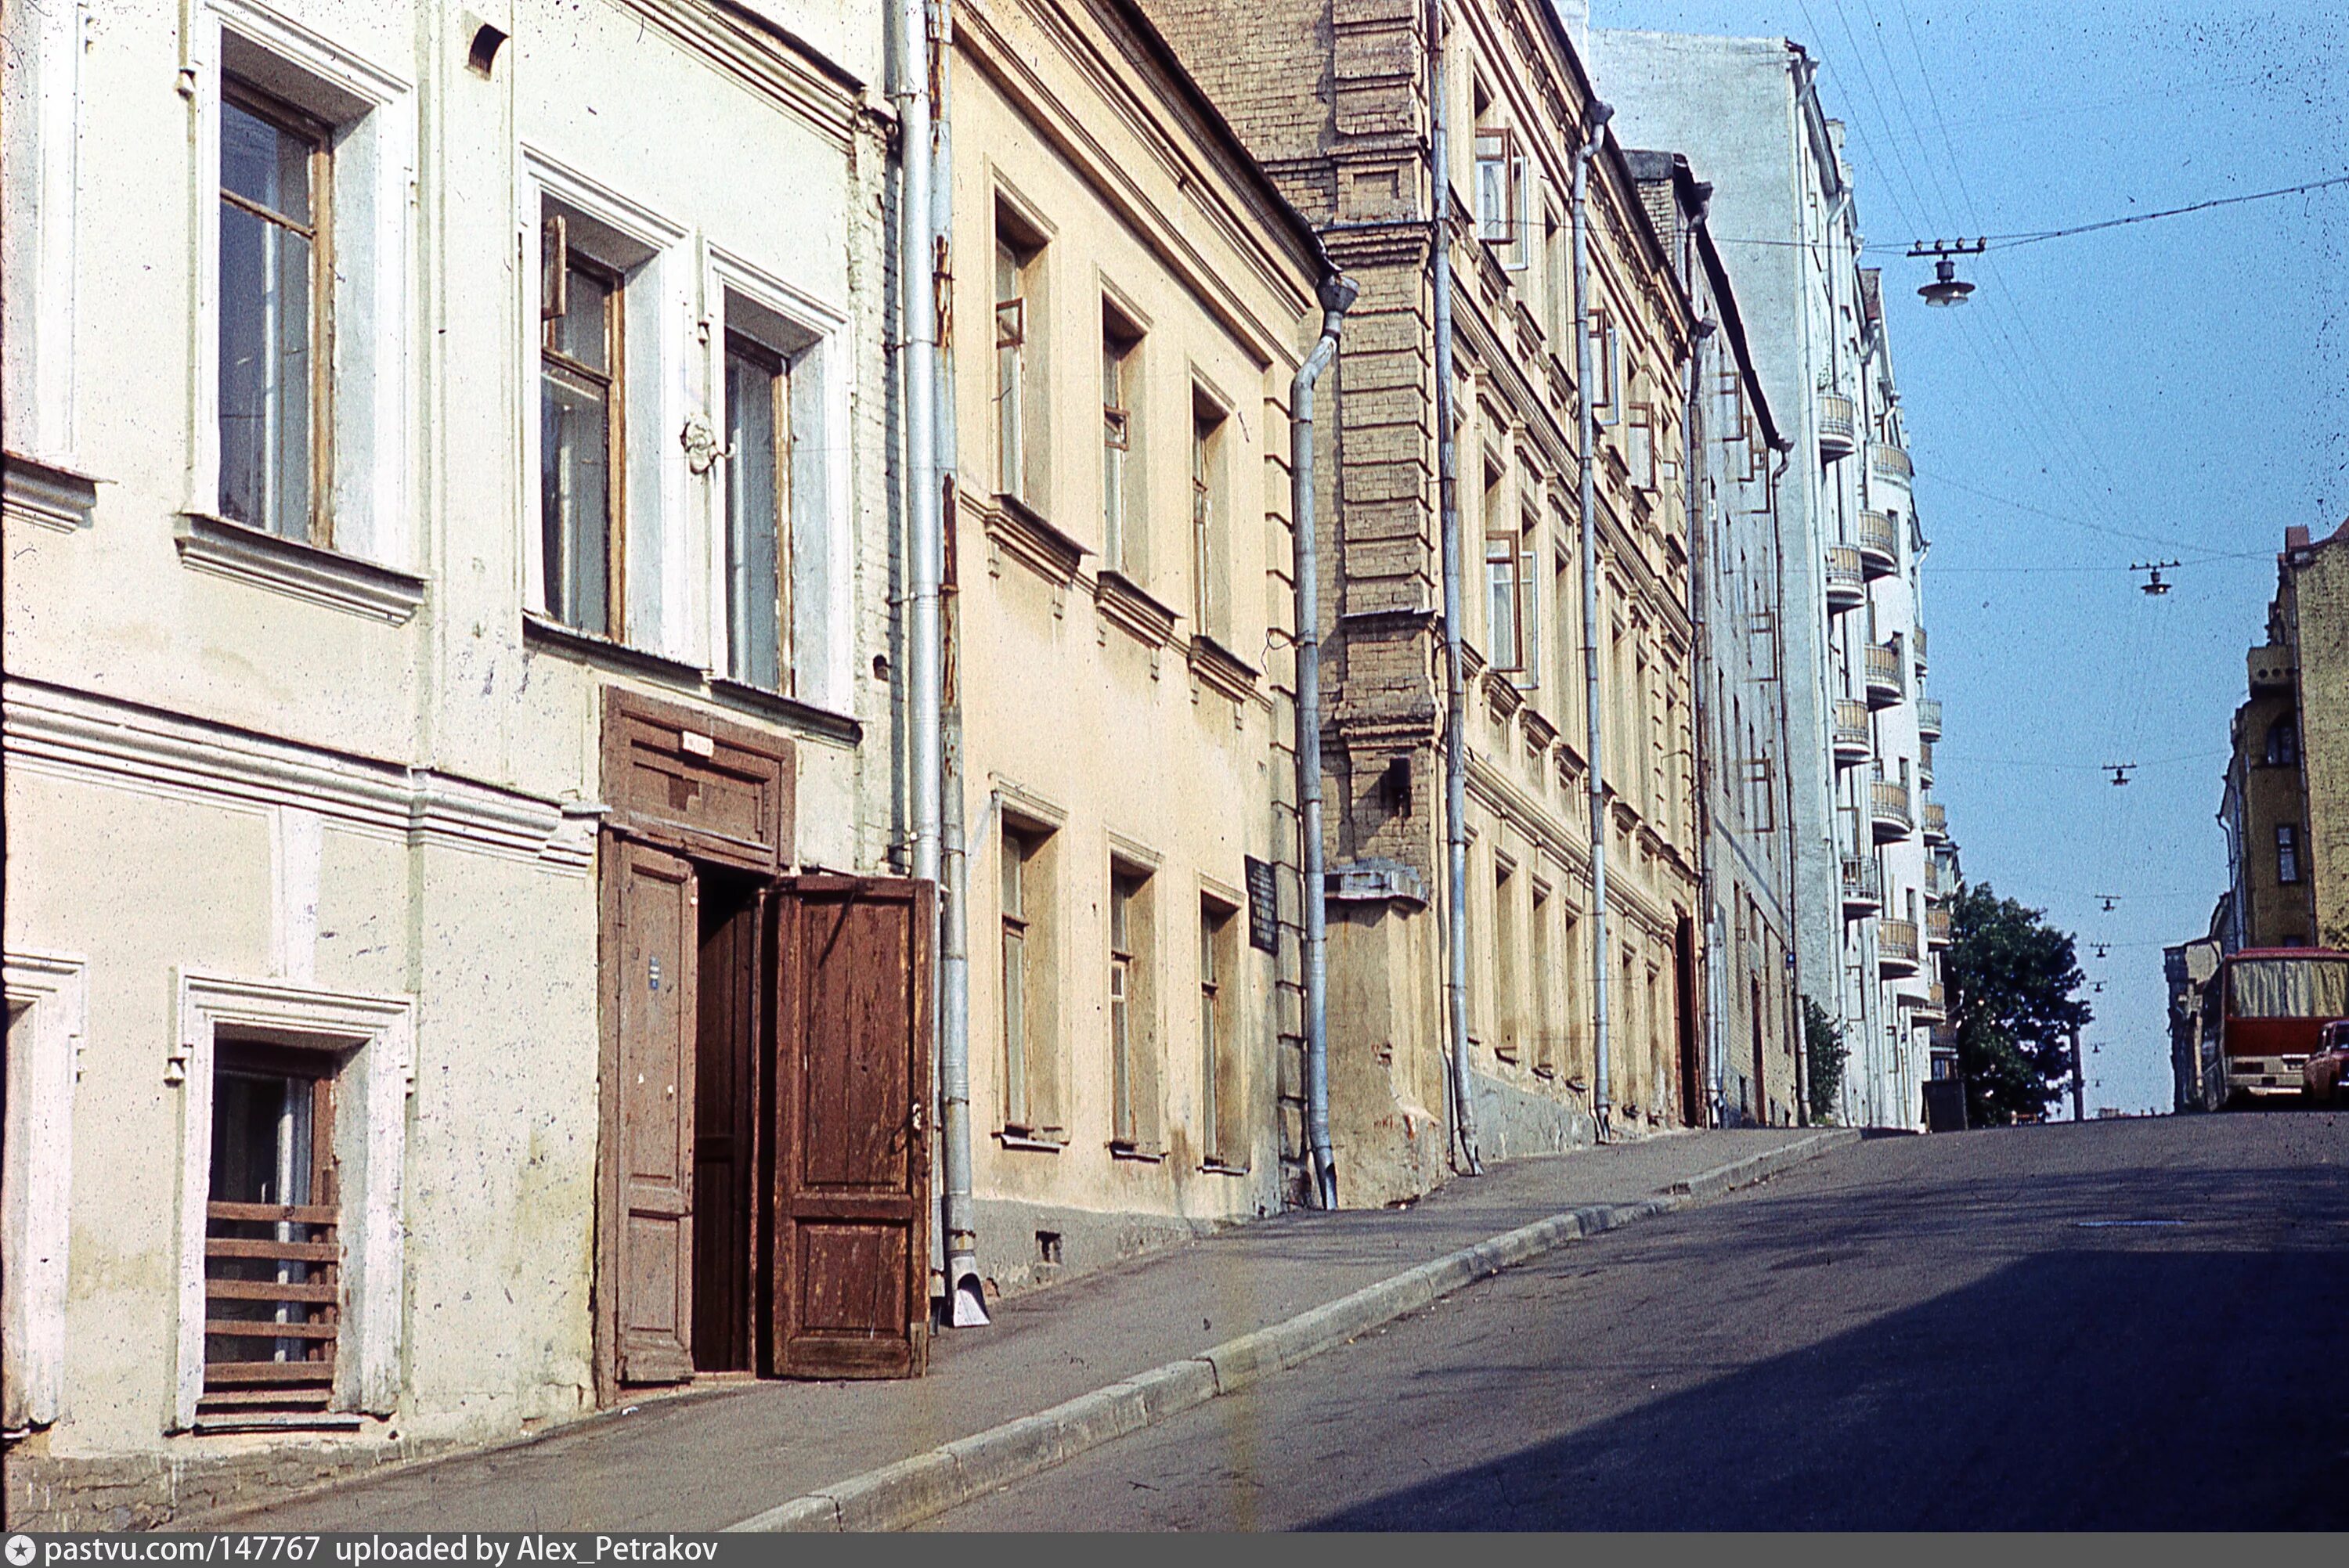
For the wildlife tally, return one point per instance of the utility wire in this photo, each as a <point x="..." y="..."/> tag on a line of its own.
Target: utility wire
<point x="2009" y="241"/>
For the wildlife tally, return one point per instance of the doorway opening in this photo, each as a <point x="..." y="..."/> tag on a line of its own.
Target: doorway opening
<point x="728" y="1106"/>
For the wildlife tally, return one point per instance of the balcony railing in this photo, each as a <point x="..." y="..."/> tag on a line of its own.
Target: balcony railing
<point x="1896" y="948"/>
<point x="1854" y="737"/>
<point x="1929" y="718"/>
<point x="1888" y="461"/>
<point x="1937" y="929"/>
<point x="1885" y="683"/>
<point x="1838" y="428"/>
<point x="1863" y="887"/>
<point x="1917" y="645"/>
<point x="1879" y="545"/>
<point x="1932" y="882"/>
<point x="1925" y="762"/>
<point x="1887" y="810"/>
<point x="1932" y="1009"/>
<point x="1933" y="818"/>
<point x="1846" y="578"/>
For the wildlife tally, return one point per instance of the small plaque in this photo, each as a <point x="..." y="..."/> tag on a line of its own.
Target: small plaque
<point x="1264" y="906"/>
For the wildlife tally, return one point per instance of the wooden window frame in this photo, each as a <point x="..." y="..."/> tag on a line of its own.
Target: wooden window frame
<point x="556" y="261"/>
<point x="1506" y="550"/>
<point x="1640" y="436"/>
<point x="1507" y="982"/>
<point x="1496" y="147"/>
<point x="319" y="402"/>
<point x="2287" y="849"/>
<point x="1218" y="1038"/>
<point x="1121" y="430"/>
<point x="778" y="365"/>
<point x="1210" y="595"/>
<point x="1015" y="847"/>
<point x="1133" y="1078"/>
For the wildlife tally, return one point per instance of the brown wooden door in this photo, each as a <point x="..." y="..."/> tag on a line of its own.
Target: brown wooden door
<point x="652" y="939"/>
<point x="851" y="1195"/>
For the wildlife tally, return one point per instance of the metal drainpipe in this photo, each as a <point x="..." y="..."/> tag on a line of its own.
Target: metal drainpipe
<point x="1338" y="293"/>
<point x="965" y="1294"/>
<point x="917" y="327"/>
<point x="1601" y="1104"/>
<point x="1798" y="1024"/>
<point x="1716" y="980"/>
<point x="1447" y="502"/>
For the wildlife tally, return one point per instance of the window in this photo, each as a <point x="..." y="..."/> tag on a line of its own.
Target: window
<point x="1602" y="362"/>
<point x="1208" y="606"/>
<point x="2287" y="852"/>
<point x="758" y="502"/>
<point x="1640" y="446"/>
<point x="2284" y="743"/>
<point x="1122" y="548"/>
<point x="1505" y="999"/>
<point x="274" y="288"/>
<point x="1501" y="193"/>
<point x="272" y="1242"/>
<point x="1030" y="1071"/>
<point x="1223" y="1127"/>
<point x="1133" y="1078"/>
<point x="579" y="433"/>
<point x="1556" y="283"/>
<point x="1538" y="964"/>
<point x="1019" y="408"/>
<point x="1508" y="590"/>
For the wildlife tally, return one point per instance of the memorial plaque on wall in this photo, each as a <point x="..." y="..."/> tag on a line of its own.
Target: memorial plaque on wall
<point x="1264" y="906"/>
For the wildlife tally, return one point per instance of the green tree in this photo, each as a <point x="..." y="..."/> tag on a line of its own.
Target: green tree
<point x="2013" y="983"/>
<point x="1823" y="1040"/>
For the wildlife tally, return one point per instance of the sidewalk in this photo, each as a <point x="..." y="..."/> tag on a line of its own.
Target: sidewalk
<point x="704" y="1461"/>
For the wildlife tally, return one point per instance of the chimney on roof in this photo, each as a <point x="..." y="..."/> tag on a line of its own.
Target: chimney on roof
<point x="2295" y="537"/>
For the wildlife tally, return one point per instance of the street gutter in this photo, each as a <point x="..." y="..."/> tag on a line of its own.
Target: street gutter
<point x="928" y="1484"/>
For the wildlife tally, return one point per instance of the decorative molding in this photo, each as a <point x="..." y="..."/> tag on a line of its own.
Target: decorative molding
<point x="91" y="738"/>
<point x="1220" y="669"/>
<point x="375" y="1037"/>
<point x="1020" y="530"/>
<point x="1125" y="603"/>
<point x="1132" y="852"/>
<point x="1016" y="801"/>
<point x="241" y="554"/>
<point x="43" y="1064"/>
<point x="46" y="497"/>
<point x="1502" y="694"/>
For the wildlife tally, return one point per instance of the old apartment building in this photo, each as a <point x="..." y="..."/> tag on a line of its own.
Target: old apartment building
<point x="1506" y="87"/>
<point x="441" y="619"/>
<point x="1130" y="300"/>
<point x="2283" y="809"/>
<point x="1869" y="869"/>
<point x="1736" y="459"/>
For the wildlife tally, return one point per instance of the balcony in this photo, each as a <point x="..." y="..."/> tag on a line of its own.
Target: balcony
<point x="1895" y="949"/>
<point x="1933" y="819"/>
<point x="1863" y="887"/>
<point x="1916" y="647"/>
<point x="1932" y="883"/>
<point x="1888" y="810"/>
<point x="1934" y="1008"/>
<point x="1879" y="545"/>
<point x="1886" y="685"/>
<point x="1854" y="738"/>
<point x="1889" y="462"/>
<point x="1838" y="428"/>
<point x="1937" y="929"/>
<point x="1925" y="763"/>
<point x="1847" y="580"/>
<point x="1929" y="718"/>
<point x="2271" y="668"/>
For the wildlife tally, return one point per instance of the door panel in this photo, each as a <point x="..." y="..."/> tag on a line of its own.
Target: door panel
<point x="851" y="1166"/>
<point x="652" y="941"/>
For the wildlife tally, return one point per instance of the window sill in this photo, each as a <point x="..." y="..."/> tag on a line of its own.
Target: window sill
<point x="1033" y="1145"/>
<point x="243" y="554"/>
<point x="47" y="495"/>
<point x="772" y="705"/>
<point x="1017" y="528"/>
<point x="689" y="680"/>
<point x="1135" y="1152"/>
<point x="1218" y="1168"/>
<point x="1219" y="667"/>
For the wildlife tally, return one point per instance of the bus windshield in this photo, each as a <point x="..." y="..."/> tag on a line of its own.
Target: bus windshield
<point x="2289" y="988"/>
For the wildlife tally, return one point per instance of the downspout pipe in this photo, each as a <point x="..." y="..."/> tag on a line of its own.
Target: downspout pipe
<point x="1601" y="1101"/>
<point x="1337" y="292"/>
<point x="1447" y="502"/>
<point x="917" y="329"/>
<point x="965" y="1294"/>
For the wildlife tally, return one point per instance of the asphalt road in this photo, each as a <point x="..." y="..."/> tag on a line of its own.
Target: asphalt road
<point x="2139" y="1325"/>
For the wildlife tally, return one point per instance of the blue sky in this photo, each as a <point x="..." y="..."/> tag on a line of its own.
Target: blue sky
<point x="2176" y="389"/>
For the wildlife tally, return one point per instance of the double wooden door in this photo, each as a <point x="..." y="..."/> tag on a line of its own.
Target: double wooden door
<point x="839" y="1233"/>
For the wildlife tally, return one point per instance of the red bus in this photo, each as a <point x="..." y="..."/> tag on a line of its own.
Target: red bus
<point x="2271" y="1004"/>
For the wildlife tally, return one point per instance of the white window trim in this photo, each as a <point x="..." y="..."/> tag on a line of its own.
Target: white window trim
<point x="40" y="121"/>
<point x="374" y="154"/>
<point x="822" y="551"/>
<point x="370" y="1144"/>
<point x="44" y="1061"/>
<point x="659" y="306"/>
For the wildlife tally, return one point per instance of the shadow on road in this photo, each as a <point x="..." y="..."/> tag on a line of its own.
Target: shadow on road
<point x="2131" y="1387"/>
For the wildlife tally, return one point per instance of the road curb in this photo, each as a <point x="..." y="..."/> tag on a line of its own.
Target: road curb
<point x="928" y="1484"/>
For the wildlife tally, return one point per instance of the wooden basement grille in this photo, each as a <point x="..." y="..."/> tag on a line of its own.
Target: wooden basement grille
<point x="272" y="1269"/>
